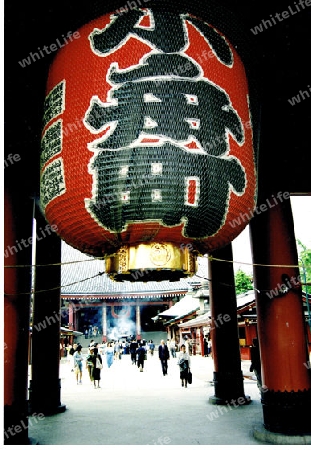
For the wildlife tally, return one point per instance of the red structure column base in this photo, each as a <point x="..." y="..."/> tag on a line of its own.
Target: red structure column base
<point x="229" y="389"/>
<point x="51" y="405"/>
<point x="15" y="426"/>
<point x="287" y="412"/>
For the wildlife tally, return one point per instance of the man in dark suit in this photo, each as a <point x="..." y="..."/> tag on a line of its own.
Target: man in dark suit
<point x="164" y="356"/>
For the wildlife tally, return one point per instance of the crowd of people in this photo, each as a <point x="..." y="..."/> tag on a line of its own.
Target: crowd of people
<point x="110" y="351"/>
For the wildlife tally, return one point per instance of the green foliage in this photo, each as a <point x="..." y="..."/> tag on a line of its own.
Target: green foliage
<point x="304" y="254"/>
<point x="243" y="282"/>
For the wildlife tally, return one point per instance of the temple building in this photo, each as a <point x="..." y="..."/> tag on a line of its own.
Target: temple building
<point x="117" y="309"/>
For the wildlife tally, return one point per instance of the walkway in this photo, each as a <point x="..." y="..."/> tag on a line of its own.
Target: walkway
<point x="139" y="408"/>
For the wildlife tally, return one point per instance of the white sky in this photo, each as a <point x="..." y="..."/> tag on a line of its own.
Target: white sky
<point x="301" y="209"/>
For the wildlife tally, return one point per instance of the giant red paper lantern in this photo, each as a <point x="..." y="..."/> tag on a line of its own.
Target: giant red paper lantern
<point x="147" y="148"/>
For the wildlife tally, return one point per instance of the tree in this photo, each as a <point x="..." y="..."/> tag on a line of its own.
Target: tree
<point x="304" y="262"/>
<point x="243" y="282"/>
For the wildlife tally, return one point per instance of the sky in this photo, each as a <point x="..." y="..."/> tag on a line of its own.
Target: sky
<point x="301" y="209"/>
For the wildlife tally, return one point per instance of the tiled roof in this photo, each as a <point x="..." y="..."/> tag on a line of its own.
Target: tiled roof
<point x="201" y="320"/>
<point x="243" y="299"/>
<point x="185" y="306"/>
<point x="190" y="304"/>
<point x="84" y="275"/>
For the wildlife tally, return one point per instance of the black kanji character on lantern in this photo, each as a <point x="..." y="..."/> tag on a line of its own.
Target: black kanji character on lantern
<point x="171" y="108"/>
<point x="168" y="33"/>
<point x="134" y="200"/>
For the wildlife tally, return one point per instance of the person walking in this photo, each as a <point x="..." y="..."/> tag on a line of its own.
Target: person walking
<point x="90" y="363"/>
<point x="117" y="350"/>
<point x="151" y="347"/>
<point x="209" y="347"/>
<point x="71" y="358"/>
<point x="109" y="354"/>
<point x="141" y="352"/>
<point x="164" y="356"/>
<point x="78" y="358"/>
<point x="66" y="347"/>
<point x="86" y="333"/>
<point x="133" y="348"/>
<point x="184" y="365"/>
<point x="173" y="348"/>
<point x="97" y="367"/>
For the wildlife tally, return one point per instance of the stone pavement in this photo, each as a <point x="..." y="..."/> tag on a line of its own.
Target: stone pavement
<point x="147" y="408"/>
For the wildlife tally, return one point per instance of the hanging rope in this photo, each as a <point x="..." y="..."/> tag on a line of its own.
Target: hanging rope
<point x="212" y="258"/>
<point x="209" y="257"/>
<point x="53" y="264"/>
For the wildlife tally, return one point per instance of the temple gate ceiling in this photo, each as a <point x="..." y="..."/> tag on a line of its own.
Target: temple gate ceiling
<point x="280" y="31"/>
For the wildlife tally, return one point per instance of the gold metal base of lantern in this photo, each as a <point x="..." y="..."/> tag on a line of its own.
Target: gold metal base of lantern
<point x="151" y="262"/>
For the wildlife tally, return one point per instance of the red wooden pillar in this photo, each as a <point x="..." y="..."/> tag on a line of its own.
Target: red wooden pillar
<point x="104" y="322"/>
<point x="71" y="316"/>
<point x="286" y="389"/>
<point x="202" y="341"/>
<point x="228" y="376"/>
<point x="77" y="309"/>
<point x="17" y="282"/>
<point x="45" y="383"/>
<point x="138" y="323"/>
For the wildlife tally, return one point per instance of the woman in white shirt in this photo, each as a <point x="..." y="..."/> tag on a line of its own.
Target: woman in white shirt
<point x="184" y="365"/>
